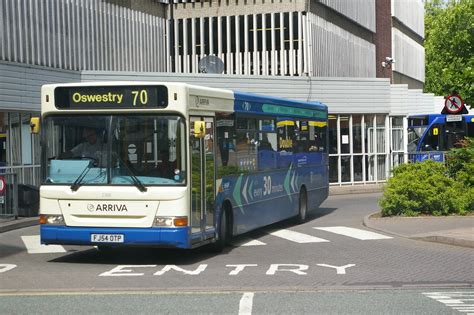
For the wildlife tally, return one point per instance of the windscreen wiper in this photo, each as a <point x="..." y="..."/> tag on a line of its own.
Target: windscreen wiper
<point x="78" y="182"/>
<point x="136" y="181"/>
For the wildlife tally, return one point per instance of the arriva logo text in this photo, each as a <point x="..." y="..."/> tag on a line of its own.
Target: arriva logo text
<point x="108" y="207"/>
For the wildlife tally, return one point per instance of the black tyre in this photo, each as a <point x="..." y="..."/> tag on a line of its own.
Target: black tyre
<point x="104" y="249"/>
<point x="303" y="207"/>
<point x="222" y="234"/>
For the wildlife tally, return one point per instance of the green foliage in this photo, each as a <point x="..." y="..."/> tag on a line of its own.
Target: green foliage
<point x="449" y="41"/>
<point x="425" y="189"/>
<point x="460" y="163"/>
<point x="228" y="170"/>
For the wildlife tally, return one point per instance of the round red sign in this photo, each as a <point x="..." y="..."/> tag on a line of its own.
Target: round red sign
<point x="3" y="184"/>
<point x="454" y="104"/>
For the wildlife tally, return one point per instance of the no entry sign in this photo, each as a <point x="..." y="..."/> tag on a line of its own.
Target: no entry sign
<point x="454" y="104"/>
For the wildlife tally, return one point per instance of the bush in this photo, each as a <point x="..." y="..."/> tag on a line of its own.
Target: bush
<point x="460" y="162"/>
<point x="425" y="188"/>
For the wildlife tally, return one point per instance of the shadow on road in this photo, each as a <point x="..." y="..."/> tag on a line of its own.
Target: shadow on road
<point x="139" y="256"/>
<point x="8" y="250"/>
<point x="166" y="256"/>
<point x="319" y="213"/>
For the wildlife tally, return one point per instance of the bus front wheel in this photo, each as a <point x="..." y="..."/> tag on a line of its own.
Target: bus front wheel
<point x="222" y="234"/>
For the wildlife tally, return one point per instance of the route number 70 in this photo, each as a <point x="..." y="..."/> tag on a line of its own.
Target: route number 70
<point x="141" y="96"/>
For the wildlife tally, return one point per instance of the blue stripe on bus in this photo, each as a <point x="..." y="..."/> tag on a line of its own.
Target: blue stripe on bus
<point x="267" y="105"/>
<point x="277" y="100"/>
<point x="439" y="118"/>
<point x="165" y="237"/>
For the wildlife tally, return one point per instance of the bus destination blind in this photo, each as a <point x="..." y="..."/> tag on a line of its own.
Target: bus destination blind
<point x="111" y="97"/>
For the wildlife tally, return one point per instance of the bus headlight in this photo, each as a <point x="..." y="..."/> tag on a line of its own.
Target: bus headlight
<point x="171" y="221"/>
<point x="51" y="219"/>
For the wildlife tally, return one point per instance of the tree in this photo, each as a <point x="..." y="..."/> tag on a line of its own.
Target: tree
<point x="449" y="51"/>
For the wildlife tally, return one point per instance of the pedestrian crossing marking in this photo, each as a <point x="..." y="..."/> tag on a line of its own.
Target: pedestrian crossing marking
<point x="297" y="237"/>
<point x="32" y="242"/>
<point x="34" y="246"/>
<point x="246" y="241"/>
<point x="354" y="233"/>
<point x="454" y="300"/>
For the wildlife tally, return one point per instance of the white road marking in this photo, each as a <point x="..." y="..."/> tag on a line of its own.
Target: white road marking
<point x="248" y="242"/>
<point x="246" y="304"/>
<point x="352" y="232"/>
<point x="454" y="300"/>
<point x="6" y="267"/>
<point x="340" y="270"/>
<point x="33" y="246"/>
<point x="298" y="237"/>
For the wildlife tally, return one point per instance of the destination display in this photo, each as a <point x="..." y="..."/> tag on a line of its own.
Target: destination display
<point x="111" y="97"/>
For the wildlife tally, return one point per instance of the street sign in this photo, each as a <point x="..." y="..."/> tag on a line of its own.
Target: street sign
<point x="453" y="104"/>
<point x="3" y="184"/>
<point x="452" y="118"/>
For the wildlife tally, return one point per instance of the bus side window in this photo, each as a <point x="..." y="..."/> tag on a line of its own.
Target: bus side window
<point x="470" y="128"/>
<point x="431" y="142"/>
<point x="226" y="148"/>
<point x="454" y="134"/>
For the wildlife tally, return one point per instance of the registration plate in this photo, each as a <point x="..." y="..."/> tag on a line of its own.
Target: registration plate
<point x="107" y="238"/>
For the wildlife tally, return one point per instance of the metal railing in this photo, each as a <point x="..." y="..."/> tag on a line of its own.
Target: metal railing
<point x="26" y="174"/>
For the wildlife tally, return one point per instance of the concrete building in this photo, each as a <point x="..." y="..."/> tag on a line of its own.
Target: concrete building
<point x="335" y="51"/>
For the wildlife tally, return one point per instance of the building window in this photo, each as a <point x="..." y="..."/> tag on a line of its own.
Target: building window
<point x="358" y="148"/>
<point x="397" y="156"/>
<point x="252" y="44"/>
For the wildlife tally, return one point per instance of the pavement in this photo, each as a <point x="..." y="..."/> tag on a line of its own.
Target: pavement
<point x="453" y="230"/>
<point x="9" y="224"/>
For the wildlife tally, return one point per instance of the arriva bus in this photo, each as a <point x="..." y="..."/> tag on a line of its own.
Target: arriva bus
<point x="430" y="136"/>
<point x="174" y="165"/>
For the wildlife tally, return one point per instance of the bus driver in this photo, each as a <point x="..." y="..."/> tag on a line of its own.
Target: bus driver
<point x="91" y="148"/>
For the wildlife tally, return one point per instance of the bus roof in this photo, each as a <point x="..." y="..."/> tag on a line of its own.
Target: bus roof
<point x="432" y="117"/>
<point x="250" y="97"/>
<point x="250" y="103"/>
<point x="211" y="99"/>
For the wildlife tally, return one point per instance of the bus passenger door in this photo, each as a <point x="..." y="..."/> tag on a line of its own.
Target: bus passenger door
<point x="202" y="180"/>
<point x="454" y="133"/>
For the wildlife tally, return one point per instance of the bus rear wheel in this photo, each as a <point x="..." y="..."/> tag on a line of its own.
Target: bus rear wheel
<point x="303" y="207"/>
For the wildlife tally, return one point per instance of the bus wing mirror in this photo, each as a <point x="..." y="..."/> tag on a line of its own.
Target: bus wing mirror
<point x="35" y="125"/>
<point x="199" y="129"/>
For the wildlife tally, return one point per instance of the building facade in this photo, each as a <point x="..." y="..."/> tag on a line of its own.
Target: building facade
<point x="327" y="50"/>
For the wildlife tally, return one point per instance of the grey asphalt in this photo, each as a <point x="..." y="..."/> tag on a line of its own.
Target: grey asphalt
<point x="396" y="263"/>
<point x="315" y="302"/>
<point x="453" y="230"/>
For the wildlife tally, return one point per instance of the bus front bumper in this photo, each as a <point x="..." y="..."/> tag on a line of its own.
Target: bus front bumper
<point x="160" y="237"/>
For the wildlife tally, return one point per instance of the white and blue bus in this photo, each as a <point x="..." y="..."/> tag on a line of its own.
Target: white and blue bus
<point x="431" y="136"/>
<point x="175" y="165"/>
